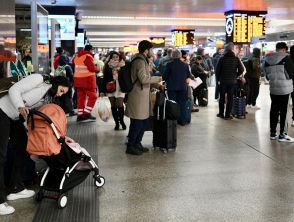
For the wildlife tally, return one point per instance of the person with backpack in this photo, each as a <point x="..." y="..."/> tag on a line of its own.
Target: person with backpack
<point x="116" y="97"/>
<point x="252" y="76"/>
<point x="59" y="52"/>
<point x="138" y="106"/>
<point x="30" y="92"/>
<point x="280" y="73"/>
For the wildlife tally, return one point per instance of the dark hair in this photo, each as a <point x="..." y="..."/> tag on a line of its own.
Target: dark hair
<point x="199" y="57"/>
<point x="113" y="53"/>
<point x="183" y="53"/>
<point x="143" y="45"/>
<point x="88" y="47"/>
<point x="281" y="45"/>
<point x="58" y="81"/>
<point x="59" y="50"/>
<point x="256" y="52"/>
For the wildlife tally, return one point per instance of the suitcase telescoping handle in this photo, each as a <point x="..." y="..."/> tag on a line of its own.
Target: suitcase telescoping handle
<point x="164" y="107"/>
<point x="46" y="118"/>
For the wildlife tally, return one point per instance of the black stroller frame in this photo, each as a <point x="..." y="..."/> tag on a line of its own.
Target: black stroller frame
<point x="70" y="171"/>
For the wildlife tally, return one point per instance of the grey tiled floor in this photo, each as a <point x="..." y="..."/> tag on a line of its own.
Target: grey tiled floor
<point x="221" y="171"/>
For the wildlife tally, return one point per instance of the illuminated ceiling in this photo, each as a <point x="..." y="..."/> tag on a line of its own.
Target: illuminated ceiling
<point x="117" y="22"/>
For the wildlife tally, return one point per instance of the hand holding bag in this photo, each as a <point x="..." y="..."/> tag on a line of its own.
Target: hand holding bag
<point x="103" y="110"/>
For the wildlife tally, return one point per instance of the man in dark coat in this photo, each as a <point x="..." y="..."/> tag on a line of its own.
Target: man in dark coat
<point x="229" y="67"/>
<point x="176" y="75"/>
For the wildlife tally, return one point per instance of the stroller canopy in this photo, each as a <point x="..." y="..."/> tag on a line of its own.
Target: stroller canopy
<point x="41" y="138"/>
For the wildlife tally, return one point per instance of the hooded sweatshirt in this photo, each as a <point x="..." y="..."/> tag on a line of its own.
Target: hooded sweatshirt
<point x="280" y="72"/>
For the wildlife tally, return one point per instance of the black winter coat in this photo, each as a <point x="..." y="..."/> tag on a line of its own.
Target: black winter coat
<point x="228" y="68"/>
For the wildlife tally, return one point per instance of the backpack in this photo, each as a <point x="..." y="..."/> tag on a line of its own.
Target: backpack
<point x="124" y="77"/>
<point x="60" y="71"/>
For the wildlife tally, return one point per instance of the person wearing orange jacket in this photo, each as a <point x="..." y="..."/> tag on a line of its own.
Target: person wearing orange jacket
<point x="85" y="83"/>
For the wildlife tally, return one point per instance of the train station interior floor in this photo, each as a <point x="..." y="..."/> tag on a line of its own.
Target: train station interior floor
<point x="222" y="170"/>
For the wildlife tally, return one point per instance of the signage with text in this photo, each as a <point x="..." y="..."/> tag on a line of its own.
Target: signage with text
<point x="241" y="26"/>
<point x="182" y="37"/>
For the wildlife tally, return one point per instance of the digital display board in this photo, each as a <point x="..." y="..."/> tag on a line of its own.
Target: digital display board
<point x="67" y="26"/>
<point x="158" y="42"/>
<point x="182" y="37"/>
<point x="241" y="26"/>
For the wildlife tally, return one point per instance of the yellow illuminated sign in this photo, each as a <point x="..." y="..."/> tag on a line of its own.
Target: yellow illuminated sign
<point x="181" y="38"/>
<point x="242" y="27"/>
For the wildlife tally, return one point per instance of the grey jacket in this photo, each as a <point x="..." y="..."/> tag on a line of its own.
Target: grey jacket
<point x="279" y="71"/>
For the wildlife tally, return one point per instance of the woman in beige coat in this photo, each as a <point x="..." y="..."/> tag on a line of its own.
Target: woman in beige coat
<point x="138" y="106"/>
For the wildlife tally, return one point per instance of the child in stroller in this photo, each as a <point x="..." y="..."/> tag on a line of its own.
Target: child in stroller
<point x="68" y="163"/>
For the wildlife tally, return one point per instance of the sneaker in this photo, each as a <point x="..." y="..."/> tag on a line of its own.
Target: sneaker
<point x="229" y="117"/>
<point x="86" y="118"/>
<point x="273" y="136"/>
<point x="5" y="209"/>
<point x="20" y="195"/>
<point x="90" y="117"/>
<point x="285" y="138"/>
<point x="80" y="118"/>
<point x="248" y="106"/>
<point x="220" y="115"/>
<point x="132" y="149"/>
<point x="142" y="148"/>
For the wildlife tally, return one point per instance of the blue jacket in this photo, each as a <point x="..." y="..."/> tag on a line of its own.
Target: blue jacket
<point x="175" y="75"/>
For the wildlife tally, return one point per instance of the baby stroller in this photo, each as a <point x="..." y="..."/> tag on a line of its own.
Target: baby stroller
<point x="68" y="163"/>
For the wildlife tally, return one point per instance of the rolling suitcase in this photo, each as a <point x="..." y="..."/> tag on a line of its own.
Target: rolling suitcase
<point x="164" y="130"/>
<point x="239" y="107"/>
<point x="203" y="97"/>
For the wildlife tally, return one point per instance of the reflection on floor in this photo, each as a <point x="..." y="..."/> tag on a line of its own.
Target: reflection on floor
<point x="222" y="170"/>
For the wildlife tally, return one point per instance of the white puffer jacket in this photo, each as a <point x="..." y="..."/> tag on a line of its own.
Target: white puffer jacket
<point x="28" y="92"/>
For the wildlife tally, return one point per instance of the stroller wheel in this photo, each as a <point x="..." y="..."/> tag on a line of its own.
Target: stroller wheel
<point x="62" y="201"/>
<point x="99" y="181"/>
<point x="39" y="196"/>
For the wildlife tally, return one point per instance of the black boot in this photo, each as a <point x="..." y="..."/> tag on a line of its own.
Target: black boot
<point x="121" y="113"/>
<point x="115" y="117"/>
<point x="133" y="149"/>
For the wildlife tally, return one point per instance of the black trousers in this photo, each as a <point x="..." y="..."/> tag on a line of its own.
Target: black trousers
<point x="278" y="108"/>
<point x="253" y="91"/>
<point x="224" y="89"/>
<point x="16" y="131"/>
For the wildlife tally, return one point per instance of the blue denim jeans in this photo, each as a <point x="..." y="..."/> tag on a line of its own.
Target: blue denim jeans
<point x="136" y="130"/>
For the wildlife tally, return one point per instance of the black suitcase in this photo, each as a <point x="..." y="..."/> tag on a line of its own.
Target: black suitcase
<point x="203" y="97"/>
<point x="165" y="134"/>
<point x="239" y="107"/>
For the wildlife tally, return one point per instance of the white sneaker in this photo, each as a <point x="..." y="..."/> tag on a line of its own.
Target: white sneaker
<point x="285" y="138"/>
<point x="255" y="107"/>
<point x="249" y="106"/>
<point x="20" y="195"/>
<point x="292" y="123"/>
<point x="5" y="209"/>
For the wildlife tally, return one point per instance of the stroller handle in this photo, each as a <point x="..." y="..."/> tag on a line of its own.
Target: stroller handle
<point x="38" y="113"/>
<point x="47" y="119"/>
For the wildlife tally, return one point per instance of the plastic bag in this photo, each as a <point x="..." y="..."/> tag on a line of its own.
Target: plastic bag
<point x="103" y="110"/>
